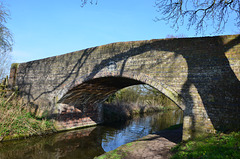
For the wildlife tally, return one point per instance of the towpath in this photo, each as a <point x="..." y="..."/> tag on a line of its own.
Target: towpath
<point x="152" y="146"/>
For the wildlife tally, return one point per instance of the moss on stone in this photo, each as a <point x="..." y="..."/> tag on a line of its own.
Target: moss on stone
<point x="14" y="65"/>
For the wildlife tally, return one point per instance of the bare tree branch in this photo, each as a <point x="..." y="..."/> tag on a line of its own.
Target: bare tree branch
<point x="198" y="13"/>
<point x="6" y="41"/>
<point x="84" y="2"/>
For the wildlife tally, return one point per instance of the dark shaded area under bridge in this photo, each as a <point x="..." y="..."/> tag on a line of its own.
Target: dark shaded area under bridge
<point x="96" y="90"/>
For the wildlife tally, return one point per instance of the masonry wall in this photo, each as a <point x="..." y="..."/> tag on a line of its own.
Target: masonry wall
<point x="201" y="75"/>
<point x="70" y="117"/>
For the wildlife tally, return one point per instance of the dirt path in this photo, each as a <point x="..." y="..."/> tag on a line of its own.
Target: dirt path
<point x="153" y="146"/>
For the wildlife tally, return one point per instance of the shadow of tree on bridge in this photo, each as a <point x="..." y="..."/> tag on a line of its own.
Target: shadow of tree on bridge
<point x="209" y="72"/>
<point x="209" y="75"/>
<point x="216" y="83"/>
<point x="74" y="72"/>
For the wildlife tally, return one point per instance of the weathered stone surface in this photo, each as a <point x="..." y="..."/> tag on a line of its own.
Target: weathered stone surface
<point x="201" y="75"/>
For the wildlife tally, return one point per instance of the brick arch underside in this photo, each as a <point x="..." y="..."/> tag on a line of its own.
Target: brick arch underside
<point x="96" y="90"/>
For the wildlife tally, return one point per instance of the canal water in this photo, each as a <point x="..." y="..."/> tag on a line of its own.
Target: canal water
<point x="89" y="142"/>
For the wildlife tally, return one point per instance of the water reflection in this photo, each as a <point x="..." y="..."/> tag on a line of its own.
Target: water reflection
<point x="139" y="127"/>
<point x="84" y="143"/>
<point x="90" y="142"/>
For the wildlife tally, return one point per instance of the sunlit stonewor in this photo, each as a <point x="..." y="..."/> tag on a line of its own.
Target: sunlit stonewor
<point x="201" y="75"/>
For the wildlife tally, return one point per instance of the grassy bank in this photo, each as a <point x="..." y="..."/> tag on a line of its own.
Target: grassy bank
<point x="16" y="122"/>
<point x="219" y="146"/>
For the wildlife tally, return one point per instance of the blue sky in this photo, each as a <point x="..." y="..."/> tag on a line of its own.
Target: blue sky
<point x="53" y="27"/>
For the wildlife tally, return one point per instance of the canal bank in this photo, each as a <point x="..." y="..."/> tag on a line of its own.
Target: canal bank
<point x="89" y="142"/>
<point x="152" y="146"/>
<point x="167" y="144"/>
<point x="116" y="112"/>
<point x="18" y="123"/>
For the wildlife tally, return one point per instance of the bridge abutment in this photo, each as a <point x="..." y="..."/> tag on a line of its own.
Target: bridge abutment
<point x="68" y="117"/>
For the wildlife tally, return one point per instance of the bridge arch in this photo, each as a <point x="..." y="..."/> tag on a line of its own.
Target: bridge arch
<point x="201" y="75"/>
<point x="80" y="102"/>
<point x="95" y="90"/>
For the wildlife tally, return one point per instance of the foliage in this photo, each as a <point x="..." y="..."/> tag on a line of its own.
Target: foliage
<point x="114" y="154"/>
<point x="199" y="12"/>
<point x="174" y="127"/>
<point x="16" y="122"/>
<point x="119" y="153"/>
<point x="6" y="41"/>
<point x="135" y="100"/>
<point x="123" y="111"/>
<point x="140" y="95"/>
<point x="221" y="146"/>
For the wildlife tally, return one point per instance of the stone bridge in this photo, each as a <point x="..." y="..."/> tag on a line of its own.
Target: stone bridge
<point x="201" y="75"/>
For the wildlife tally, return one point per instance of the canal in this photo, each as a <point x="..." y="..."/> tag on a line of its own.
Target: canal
<point x="89" y="142"/>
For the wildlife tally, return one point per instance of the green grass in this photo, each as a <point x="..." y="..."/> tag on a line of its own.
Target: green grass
<point x="219" y="146"/>
<point x="17" y="122"/>
<point x="112" y="155"/>
<point x="118" y="153"/>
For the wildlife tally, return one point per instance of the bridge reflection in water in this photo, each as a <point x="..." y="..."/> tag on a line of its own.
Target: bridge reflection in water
<point x="89" y="142"/>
